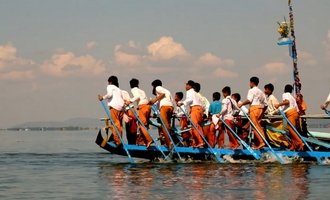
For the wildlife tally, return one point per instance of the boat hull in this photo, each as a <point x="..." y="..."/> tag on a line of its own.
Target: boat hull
<point x="153" y="152"/>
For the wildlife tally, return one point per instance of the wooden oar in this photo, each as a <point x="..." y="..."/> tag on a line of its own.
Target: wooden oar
<point x="117" y="131"/>
<point x="255" y="155"/>
<point x="278" y="158"/>
<point x="295" y="130"/>
<point x="143" y="126"/>
<point x="157" y="112"/>
<point x="218" y="158"/>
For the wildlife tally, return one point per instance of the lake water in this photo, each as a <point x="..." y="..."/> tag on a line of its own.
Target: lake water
<point x="69" y="165"/>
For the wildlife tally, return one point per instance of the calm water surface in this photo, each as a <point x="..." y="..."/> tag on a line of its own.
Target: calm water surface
<point x="68" y="165"/>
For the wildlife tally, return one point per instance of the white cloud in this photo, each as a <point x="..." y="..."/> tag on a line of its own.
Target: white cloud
<point x="272" y="68"/>
<point x="208" y="59"/>
<point x="67" y="64"/>
<point x="223" y="73"/>
<point x="13" y="67"/>
<point x="126" y="59"/>
<point x="91" y="45"/>
<point x="306" y="58"/>
<point x="166" y="48"/>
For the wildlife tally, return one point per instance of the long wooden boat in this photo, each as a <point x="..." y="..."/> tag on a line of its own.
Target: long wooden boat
<point x="320" y="150"/>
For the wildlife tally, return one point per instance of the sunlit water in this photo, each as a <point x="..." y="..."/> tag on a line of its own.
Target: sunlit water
<point x="69" y="165"/>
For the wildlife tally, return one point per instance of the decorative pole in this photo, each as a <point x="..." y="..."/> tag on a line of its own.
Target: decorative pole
<point x="293" y="48"/>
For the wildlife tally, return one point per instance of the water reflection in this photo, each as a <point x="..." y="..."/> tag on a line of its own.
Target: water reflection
<point x="205" y="181"/>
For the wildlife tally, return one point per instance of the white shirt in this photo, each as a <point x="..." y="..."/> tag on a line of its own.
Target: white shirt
<point x="205" y="103"/>
<point x="114" y="97"/>
<point x="125" y="95"/>
<point x="257" y="97"/>
<point x="271" y="101"/>
<point x="292" y="102"/>
<point x="139" y="96"/>
<point x="192" y="99"/>
<point x="178" y="110"/>
<point x="167" y="99"/>
<point x="227" y="108"/>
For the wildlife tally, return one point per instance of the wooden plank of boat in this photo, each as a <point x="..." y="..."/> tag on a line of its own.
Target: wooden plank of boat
<point x="152" y="152"/>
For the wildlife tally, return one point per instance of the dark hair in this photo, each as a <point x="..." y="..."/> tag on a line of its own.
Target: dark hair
<point x="156" y="83"/>
<point x="197" y="87"/>
<point x="270" y="87"/>
<point x="226" y="90"/>
<point x="237" y="96"/>
<point x="113" y="80"/>
<point x="288" y="88"/>
<point x="191" y="83"/>
<point x="179" y="94"/>
<point x="134" y="83"/>
<point x="254" y="80"/>
<point x="216" y="96"/>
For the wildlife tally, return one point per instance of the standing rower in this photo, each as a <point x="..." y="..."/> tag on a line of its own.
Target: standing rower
<point x="144" y="109"/>
<point x="196" y="112"/>
<point x="290" y="108"/>
<point x="116" y="105"/>
<point x="257" y="100"/>
<point x="163" y="96"/>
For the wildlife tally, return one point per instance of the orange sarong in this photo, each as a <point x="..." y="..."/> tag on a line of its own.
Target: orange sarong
<point x="256" y="113"/>
<point x="196" y="114"/>
<point x="293" y="117"/>
<point x="144" y="114"/>
<point x="117" y="117"/>
<point x="166" y="113"/>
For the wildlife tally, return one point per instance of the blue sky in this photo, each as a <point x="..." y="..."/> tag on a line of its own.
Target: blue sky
<point x="55" y="56"/>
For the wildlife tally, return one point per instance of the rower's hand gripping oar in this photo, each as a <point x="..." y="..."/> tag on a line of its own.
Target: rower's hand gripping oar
<point x="157" y="112"/>
<point x="143" y="126"/>
<point x="218" y="158"/>
<point x="253" y="153"/>
<point x="278" y="158"/>
<point x="117" y="131"/>
<point x="294" y="128"/>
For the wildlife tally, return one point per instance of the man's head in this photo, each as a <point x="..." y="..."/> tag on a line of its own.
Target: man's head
<point x="178" y="96"/>
<point x="269" y="89"/>
<point x="113" y="80"/>
<point x="216" y="96"/>
<point x="190" y="84"/>
<point x="226" y="91"/>
<point x="254" y="81"/>
<point x="134" y="83"/>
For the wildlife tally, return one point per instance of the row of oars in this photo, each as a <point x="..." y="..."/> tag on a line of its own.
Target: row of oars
<point x="218" y="158"/>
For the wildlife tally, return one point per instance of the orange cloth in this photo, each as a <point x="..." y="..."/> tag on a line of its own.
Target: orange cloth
<point x="117" y="117"/>
<point x="186" y="136"/>
<point x="196" y="113"/>
<point x="166" y="115"/>
<point x="131" y="128"/>
<point x="293" y="117"/>
<point x="256" y="113"/>
<point x="211" y="135"/>
<point x="144" y="114"/>
<point x="233" y="143"/>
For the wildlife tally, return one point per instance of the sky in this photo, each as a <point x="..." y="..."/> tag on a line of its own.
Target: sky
<point x="56" y="56"/>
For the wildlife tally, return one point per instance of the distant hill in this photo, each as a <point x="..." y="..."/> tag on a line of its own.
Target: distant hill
<point x="82" y="122"/>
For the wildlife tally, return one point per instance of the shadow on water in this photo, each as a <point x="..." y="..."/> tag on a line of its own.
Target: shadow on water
<point x="205" y="181"/>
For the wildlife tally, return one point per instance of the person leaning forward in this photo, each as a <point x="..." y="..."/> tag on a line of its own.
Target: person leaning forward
<point x="163" y="96"/>
<point x="196" y="112"/>
<point x="144" y="109"/>
<point x="258" y="104"/>
<point x="116" y="105"/>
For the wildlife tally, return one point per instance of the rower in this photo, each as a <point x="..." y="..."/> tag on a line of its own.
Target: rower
<point x="258" y="104"/>
<point x="144" y="110"/>
<point x="163" y="96"/>
<point x="196" y="111"/>
<point x="290" y="108"/>
<point x="226" y="113"/>
<point x="116" y="105"/>
<point x="183" y="121"/>
<point x="214" y="108"/>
